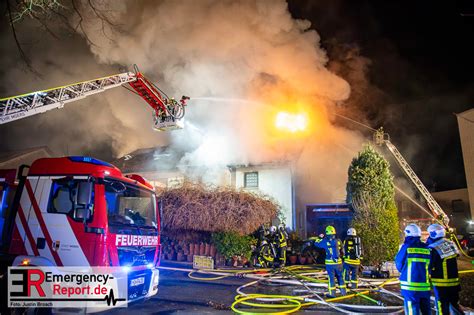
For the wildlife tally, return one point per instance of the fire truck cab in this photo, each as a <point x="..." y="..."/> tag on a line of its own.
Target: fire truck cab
<point x="80" y="211"/>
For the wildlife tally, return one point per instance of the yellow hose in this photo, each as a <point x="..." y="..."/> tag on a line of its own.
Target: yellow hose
<point x="291" y="299"/>
<point x="305" y="277"/>
<point x="455" y="239"/>
<point x="295" y="302"/>
<point x="466" y="271"/>
<point x="190" y="275"/>
<point x="229" y="271"/>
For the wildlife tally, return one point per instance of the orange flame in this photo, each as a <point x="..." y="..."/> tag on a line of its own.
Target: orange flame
<point x="291" y="122"/>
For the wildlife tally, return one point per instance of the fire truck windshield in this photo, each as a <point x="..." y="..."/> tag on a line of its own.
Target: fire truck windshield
<point x="130" y="209"/>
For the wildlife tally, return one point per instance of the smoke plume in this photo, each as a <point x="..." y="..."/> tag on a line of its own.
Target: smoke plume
<point x="241" y="61"/>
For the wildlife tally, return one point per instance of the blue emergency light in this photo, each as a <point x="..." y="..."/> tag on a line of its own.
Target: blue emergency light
<point x="88" y="159"/>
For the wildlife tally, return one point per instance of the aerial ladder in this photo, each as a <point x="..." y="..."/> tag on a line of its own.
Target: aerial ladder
<point x="167" y="112"/>
<point x="382" y="138"/>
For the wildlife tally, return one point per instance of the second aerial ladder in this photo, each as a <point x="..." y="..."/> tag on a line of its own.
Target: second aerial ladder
<point x="381" y="138"/>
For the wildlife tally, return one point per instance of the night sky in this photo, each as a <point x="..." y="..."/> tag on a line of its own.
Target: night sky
<point x="420" y="69"/>
<point x="422" y="59"/>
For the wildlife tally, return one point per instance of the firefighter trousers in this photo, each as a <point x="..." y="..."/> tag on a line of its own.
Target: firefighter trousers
<point x="282" y="255"/>
<point x="415" y="305"/>
<point x="350" y="275"/>
<point x="447" y="297"/>
<point x="335" y="272"/>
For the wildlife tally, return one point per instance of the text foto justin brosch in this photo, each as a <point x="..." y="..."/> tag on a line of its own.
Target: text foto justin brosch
<point x="78" y="278"/>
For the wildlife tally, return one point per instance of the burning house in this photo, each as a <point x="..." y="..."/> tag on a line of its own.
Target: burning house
<point x="160" y="165"/>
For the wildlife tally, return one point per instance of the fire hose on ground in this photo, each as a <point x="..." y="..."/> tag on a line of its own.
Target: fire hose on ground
<point x="297" y="273"/>
<point x="308" y="300"/>
<point x="305" y="276"/>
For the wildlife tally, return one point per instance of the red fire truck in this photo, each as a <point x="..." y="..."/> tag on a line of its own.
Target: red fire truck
<point x="80" y="211"/>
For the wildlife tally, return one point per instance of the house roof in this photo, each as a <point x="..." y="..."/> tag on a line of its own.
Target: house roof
<point x="11" y="155"/>
<point x="271" y="164"/>
<point x="165" y="158"/>
<point x="469" y="111"/>
<point x="149" y="159"/>
<point x="468" y="114"/>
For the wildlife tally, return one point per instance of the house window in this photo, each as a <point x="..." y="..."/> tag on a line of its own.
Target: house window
<point x="251" y="180"/>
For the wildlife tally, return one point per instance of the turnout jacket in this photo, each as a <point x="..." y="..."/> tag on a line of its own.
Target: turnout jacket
<point x="333" y="248"/>
<point x="413" y="263"/>
<point x="282" y="237"/>
<point x="444" y="266"/>
<point x="352" y="250"/>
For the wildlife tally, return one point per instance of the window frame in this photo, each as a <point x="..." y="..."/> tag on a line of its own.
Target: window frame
<point x="157" y="215"/>
<point x="70" y="213"/>
<point x="246" y="175"/>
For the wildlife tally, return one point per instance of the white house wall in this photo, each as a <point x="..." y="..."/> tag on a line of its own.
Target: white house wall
<point x="466" y="132"/>
<point x="275" y="182"/>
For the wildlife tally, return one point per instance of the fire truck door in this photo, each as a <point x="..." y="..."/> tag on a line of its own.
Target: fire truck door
<point x="49" y="219"/>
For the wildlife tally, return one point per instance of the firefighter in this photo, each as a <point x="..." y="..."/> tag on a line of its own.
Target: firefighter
<point x="264" y="252"/>
<point x="444" y="270"/>
<point x="333" y="248"/>
<point x="256" y="258"/>
<point x="352" y="256"/>
<point x="282" y="244"/>
<point x="413" y="261"/>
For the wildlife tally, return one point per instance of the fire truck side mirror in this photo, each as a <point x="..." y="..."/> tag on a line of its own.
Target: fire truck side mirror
<point x="160" y="211"/>
<point x="82" y="209"/>
<point x="84" y="193"/>
<point x="82" y="214"/>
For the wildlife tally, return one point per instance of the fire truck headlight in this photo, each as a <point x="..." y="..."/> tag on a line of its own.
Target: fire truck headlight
<point x="156" y="279"/>
<point x="126" y="269"/>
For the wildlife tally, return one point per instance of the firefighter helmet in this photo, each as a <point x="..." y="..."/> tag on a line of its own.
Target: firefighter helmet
<point x="330" y="230"/>
<point x="273" y="229"/>
<point x="436" y="231"/>
<point x="351" y="232"/>
<point x="412" y="230"/>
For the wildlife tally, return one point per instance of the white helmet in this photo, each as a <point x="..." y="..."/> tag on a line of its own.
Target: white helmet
<point x="412" y="230"/>
<point x="436" y="231"/>
<point x="273" y="229"/>
<point x="351" y="232"/>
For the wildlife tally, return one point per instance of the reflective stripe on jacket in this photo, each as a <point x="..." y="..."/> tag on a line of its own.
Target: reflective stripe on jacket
<point x="352" y="250"/>
<point x="413" y="262"/>
<point x="333" y="247"/>
<point x="444" y="267"/>
<point x="282" y="237"/>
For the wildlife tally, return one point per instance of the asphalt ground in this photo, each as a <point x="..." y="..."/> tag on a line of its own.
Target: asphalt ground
<point x="179" y="294"/>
